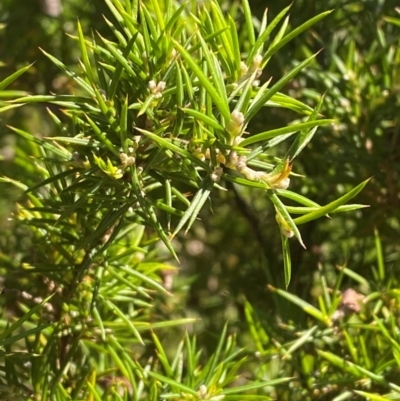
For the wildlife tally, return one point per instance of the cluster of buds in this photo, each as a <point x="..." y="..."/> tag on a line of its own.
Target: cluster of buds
<point x="217" y="173"/>
<point x="255" y="68"/>
<point x="209" y="394"/>
<point x="157" y="89"/>
<point x="127" y="160"/>
<point x="235" y="126"/>
<point x="279" y="180"/>
<point x="206" y="154"/>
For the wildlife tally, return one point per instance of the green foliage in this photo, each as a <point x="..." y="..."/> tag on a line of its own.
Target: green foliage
<point x="164" y="105"/>
<point x="174" y="118"/>
<point x="348" y="346"/>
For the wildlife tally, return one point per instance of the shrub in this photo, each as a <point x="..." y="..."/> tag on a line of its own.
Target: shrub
<point x="157" y="123"/>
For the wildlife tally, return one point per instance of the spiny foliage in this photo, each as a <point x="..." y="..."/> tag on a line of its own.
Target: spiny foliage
<point x="160" y="120"/>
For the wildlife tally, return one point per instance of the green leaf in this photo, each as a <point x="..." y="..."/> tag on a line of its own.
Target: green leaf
<point x="10" y="79"/>
<point x="215" y="70"/>
<point x="305" y="306"/>
<point x="305" y="136"/>
<point x="62" y="153"/>
<point x="391" y="20"/>
<point x="212" y="363"/>
<point x="70" y="73"/>
<point x="85" y="55"/>
<point x="373" y="396"/>
<point x="349" y="367"/>
<point x="193" y="64"/>
<point x="102" y="136"/>
<point x="330" y="207"/>
<point x="207" y="120"/>
<point x="25" y="318"/>
<point x="248" y="22"/>
<point x="122" y="64"/>
<point x="9" y="107"/>
<point x="263" y="136"/>
<point x="266" y="94"/>
<point x="264" y="36"/>
<point x="162" y="142"/>
<point x="235" y="46"/>
<point x="202" y="195"/>
<point x="297" y="198"/>
<point x="379" y="256"/>
<point x="150" y="214"/>
<point x="281" y="209"/>
<point x="173" y="383"/>
<point x="304" y="338"/>
<point x="340" y="209"/>
<point x="287" y="263"/>
<point x="254" y="386"/>
<point x="125" y="319"/>
<point x="276" y="46"/>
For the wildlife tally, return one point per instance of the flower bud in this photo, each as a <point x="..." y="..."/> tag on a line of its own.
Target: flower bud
<point x="126" y="160"/>
<point x="152" y="86"/>
<point x="257" y="61"/>
<point x="161" y="86"/>
<point x="236" y="124"/>
<point x="203" y="391"/>
<point x="157" y="89"/>
<point x="243" y="69"/>
<point x="280" y="180"/>
<point x="283" y="226"/>
<point x="216" y="175"/>
<point x="220" y="158"/>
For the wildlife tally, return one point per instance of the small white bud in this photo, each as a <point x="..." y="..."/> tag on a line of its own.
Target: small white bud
<point x="243" y="69"/>
<point x="216" y="175"/>
<point x="26" y="295"/>
<point x="287" y="233"/>
<point x="257" y="61"/>
<point x="237" y="117"/>
<point x="203" y="391"/>
<point x="233" y="158"/>
<point x="152" y="86"/>
<point x="283" y="226"/>
<point x="161" y="86"/>
<point x="126" y="160"/>
<point x="236" y="124"/>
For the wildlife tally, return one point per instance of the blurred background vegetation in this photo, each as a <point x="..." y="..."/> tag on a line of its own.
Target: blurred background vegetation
<point x="231" y="255"/>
